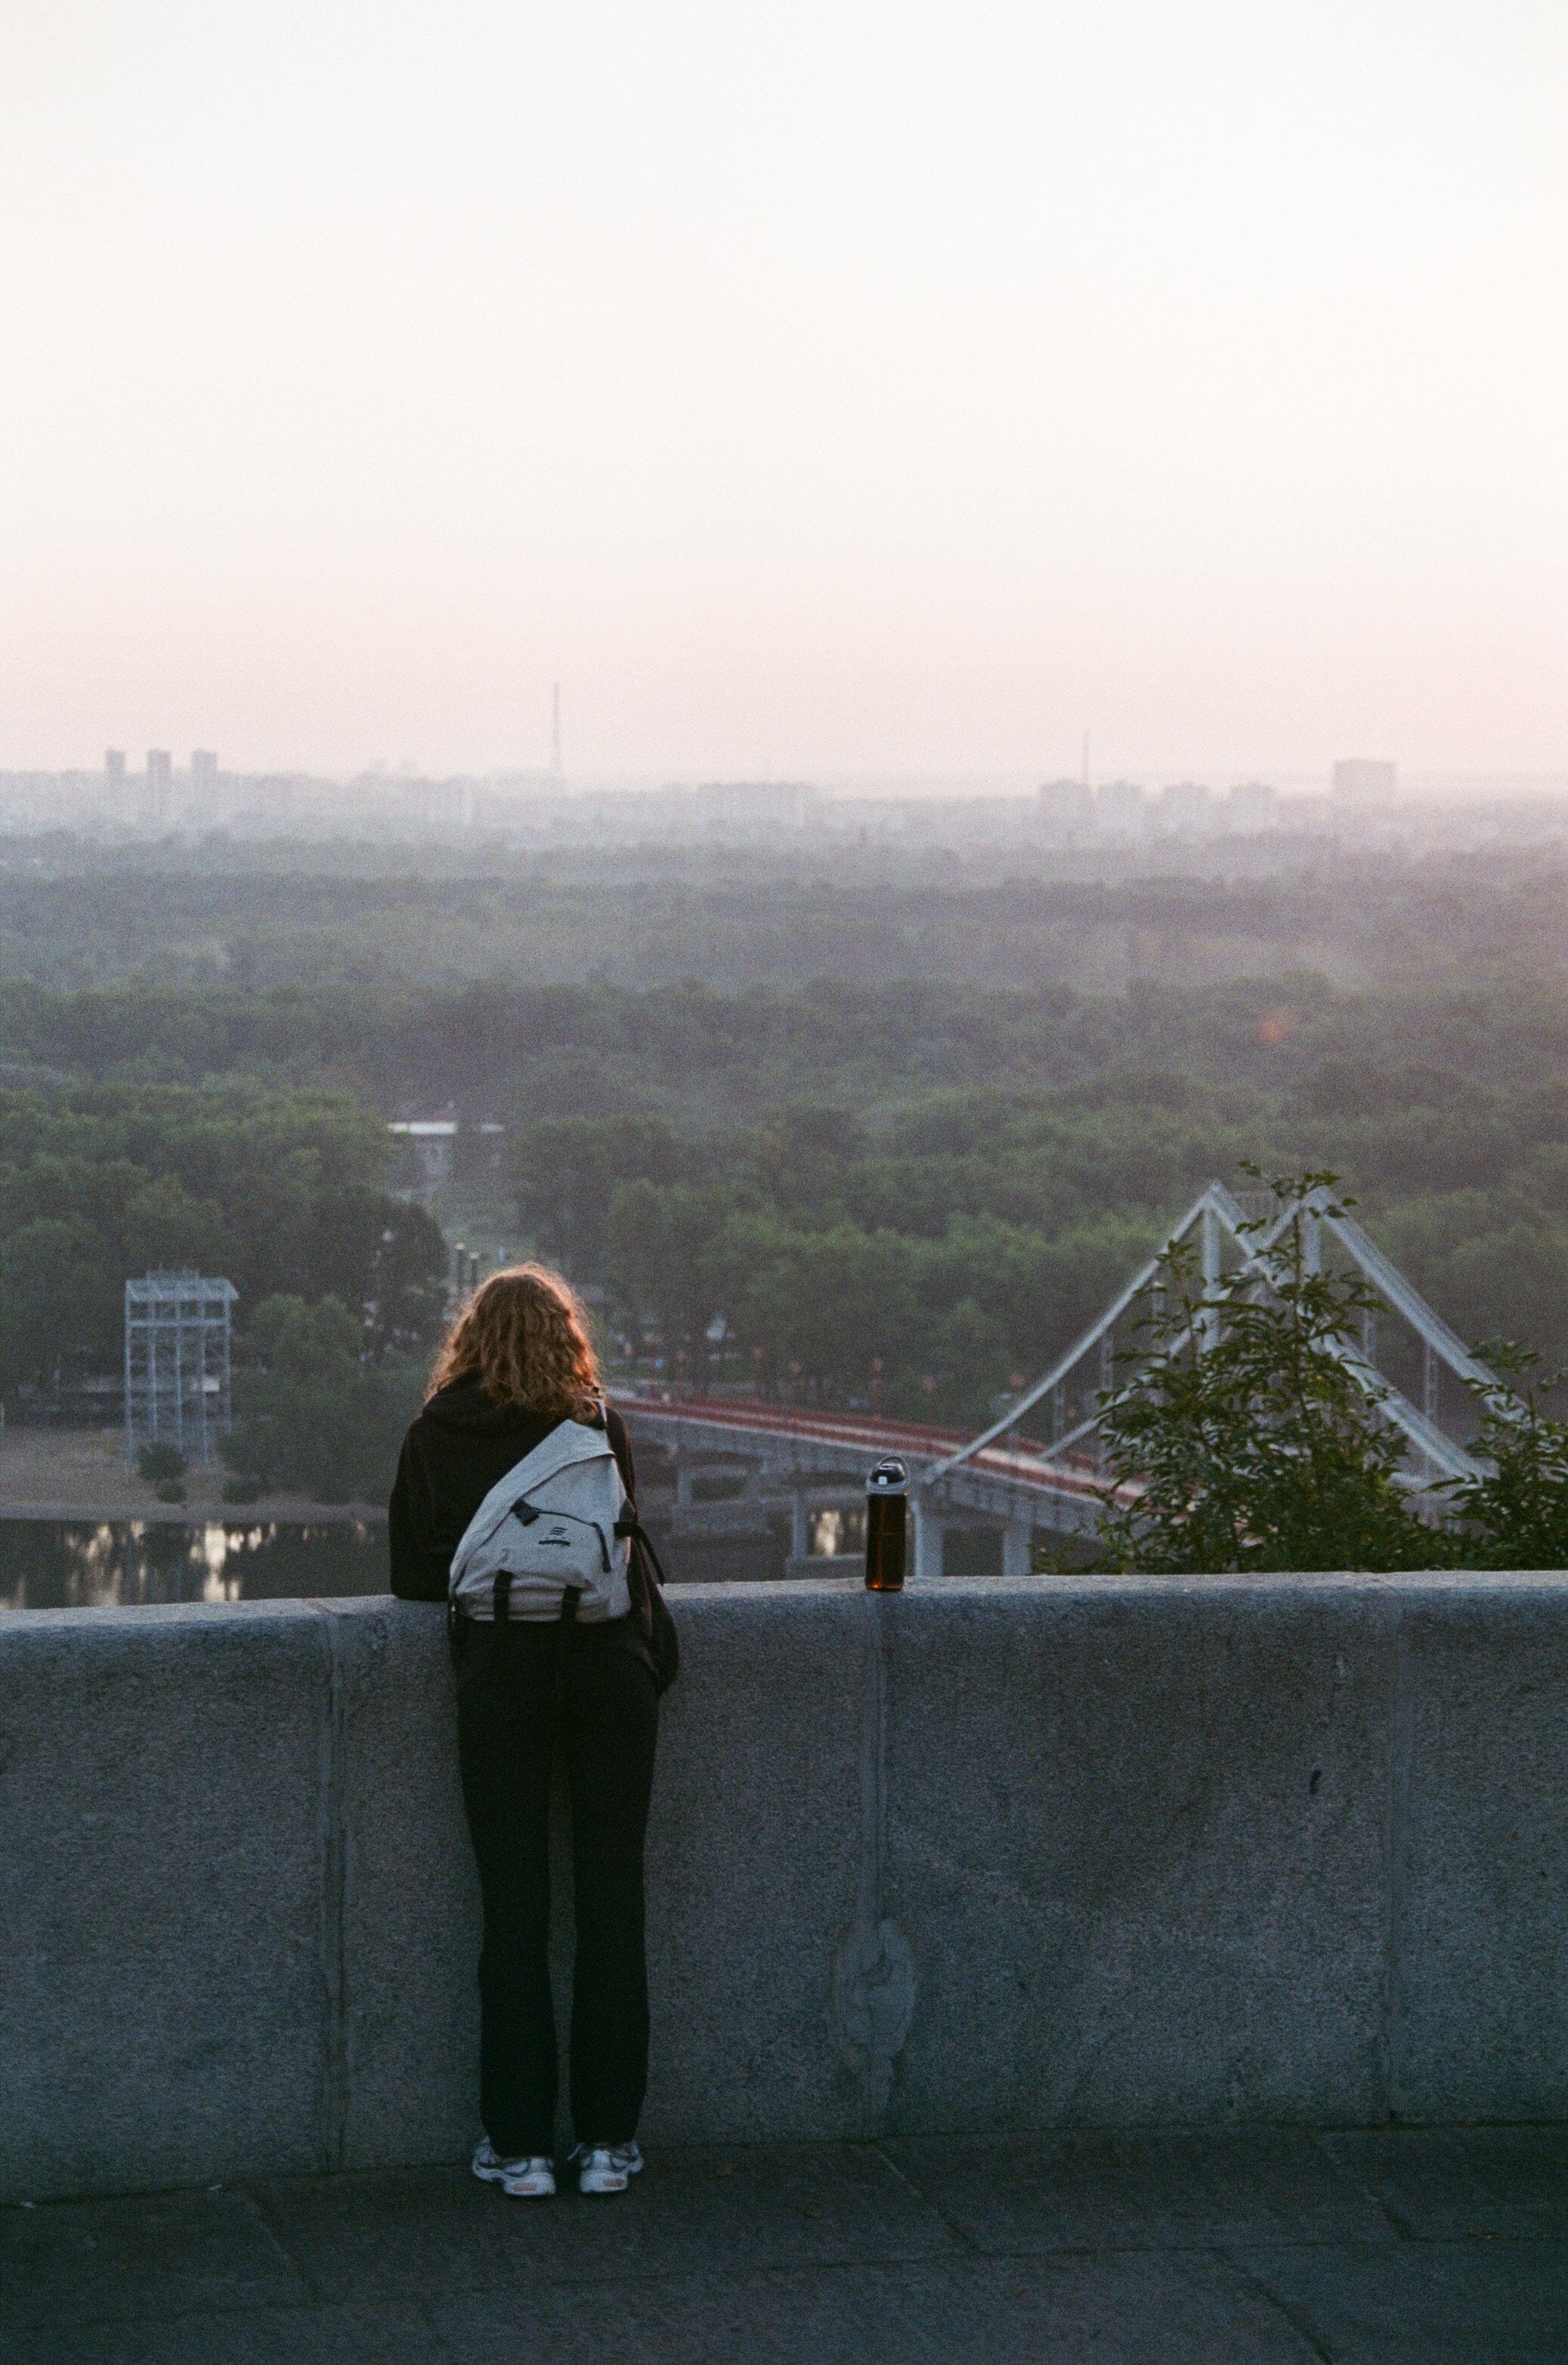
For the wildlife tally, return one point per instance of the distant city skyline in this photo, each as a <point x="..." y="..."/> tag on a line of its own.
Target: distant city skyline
<point x="124" y="772"/>
<point x="162" y="787"/>
<point x="203" y="766"/>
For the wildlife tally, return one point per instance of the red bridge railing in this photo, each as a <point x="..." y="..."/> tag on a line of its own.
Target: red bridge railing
<point x="1024" y="1462"/>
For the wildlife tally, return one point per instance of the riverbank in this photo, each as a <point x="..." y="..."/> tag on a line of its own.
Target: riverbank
<point x="81" y="1473"/>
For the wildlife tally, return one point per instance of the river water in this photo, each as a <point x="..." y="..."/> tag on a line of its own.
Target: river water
<point x="121" y="1563"/>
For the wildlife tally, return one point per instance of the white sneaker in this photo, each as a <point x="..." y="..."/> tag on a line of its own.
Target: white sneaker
<point x="606" y="2168"/>
<point x="525" y="2179"/>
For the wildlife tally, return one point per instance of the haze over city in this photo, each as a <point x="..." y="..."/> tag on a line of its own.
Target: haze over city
<point x="848" y="394"/>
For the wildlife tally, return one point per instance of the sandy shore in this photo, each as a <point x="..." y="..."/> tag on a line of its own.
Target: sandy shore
<point x="81" y="1473"/>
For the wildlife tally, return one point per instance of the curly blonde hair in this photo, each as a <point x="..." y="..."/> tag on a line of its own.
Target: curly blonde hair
<point x="523" y="1333"/>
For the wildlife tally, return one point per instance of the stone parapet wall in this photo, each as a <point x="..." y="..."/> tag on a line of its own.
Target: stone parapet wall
<point x="994" y="1853"/>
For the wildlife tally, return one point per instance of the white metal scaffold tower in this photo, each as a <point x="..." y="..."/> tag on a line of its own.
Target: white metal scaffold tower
<point x="178" y="1361"/>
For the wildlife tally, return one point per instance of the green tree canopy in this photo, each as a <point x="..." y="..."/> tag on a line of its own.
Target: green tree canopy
<point x="1243" y="1436"/>
<point x="1514" y="1513"/>
<point x="313" y="1415"/>
<point x="272" y="1189"/>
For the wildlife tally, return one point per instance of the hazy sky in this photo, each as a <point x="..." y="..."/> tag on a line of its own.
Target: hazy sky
<point x="818" y="389"/>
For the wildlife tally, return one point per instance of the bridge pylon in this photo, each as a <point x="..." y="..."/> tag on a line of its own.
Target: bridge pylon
<point x="1039" y="1466"/>
<point x="1405" y="1350"/>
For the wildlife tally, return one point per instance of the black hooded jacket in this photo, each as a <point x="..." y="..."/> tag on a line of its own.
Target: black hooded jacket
<point x="461" y="1445"/>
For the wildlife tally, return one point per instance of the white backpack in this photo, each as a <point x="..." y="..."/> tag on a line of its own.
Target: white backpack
<point x="558" y="1524"/>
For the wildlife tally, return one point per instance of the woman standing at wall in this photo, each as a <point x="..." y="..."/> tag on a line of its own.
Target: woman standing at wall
<point x="576" y="1664"/>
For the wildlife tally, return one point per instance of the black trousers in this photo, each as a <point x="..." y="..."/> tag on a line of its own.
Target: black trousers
<point x="573" y="1684"/>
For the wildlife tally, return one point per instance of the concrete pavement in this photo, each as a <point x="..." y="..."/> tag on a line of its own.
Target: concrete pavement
<point x="1262" y="2245"/>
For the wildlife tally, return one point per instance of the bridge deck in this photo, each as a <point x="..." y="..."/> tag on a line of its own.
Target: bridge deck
<point x="864" y="1431"/>
<point x="1020" y="1467"/>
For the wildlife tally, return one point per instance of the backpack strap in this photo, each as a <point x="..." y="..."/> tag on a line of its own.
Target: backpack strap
<point x="647" y="1595"/>
<point x="633" y="1527"/>
<point x="502" y="1600"/>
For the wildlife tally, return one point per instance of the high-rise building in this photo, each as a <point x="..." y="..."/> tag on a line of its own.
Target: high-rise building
<point x="1119" y="809"/>
<point x="204" y="771"/>
<point x="1187" y="806"/>
<point x="160" y="787"/>
<point x="1365" y="780"/>
<point x="114" y="769"/>
<point x="754" y="808"/>
<point x="444" y="805"/>
<point x="1067" y="808"/>
<point x="1253" y="806"/>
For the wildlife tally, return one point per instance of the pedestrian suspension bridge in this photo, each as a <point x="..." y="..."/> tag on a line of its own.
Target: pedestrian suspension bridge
<point x="1038" y="1467"/>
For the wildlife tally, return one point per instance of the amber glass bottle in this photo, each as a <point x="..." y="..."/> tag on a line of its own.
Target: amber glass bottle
<point x="887" y="1514"/>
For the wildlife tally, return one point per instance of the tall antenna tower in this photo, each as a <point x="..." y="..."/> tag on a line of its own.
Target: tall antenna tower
<point x="555" y="731"/>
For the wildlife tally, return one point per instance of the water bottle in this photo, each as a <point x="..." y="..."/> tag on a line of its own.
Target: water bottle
<point x="887" y="1514"/>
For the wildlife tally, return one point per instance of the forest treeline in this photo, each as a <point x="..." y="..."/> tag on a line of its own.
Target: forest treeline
<point x="935" y="1260"/>
<point x="283" y="1191"/>
<point x="501" y="1049"/>
<point x="76" y="914"/>
<point x="907" y="1193"/>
